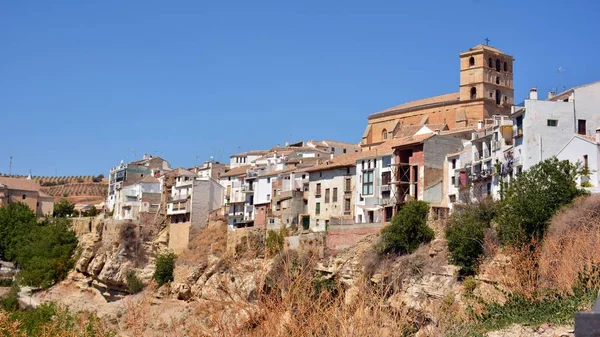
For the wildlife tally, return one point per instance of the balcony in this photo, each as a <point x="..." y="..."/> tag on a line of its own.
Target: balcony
<point x="178" y="207"/>
<point x="247" y="189"/>
<point x="184" y="183"/>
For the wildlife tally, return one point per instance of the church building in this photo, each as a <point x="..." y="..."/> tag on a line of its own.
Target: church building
<point x="486" y="89"/>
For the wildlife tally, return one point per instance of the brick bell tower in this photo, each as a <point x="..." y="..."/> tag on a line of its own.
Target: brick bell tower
<point x="486" y="82"/>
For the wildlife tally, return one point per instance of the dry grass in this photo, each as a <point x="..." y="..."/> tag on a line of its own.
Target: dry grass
<point x="211" y="240"/>
<point x="572" y="242"/>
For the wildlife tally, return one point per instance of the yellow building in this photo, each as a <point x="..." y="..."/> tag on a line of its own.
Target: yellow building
<point x="25" y="191"/>
<point x="486" y="89"/>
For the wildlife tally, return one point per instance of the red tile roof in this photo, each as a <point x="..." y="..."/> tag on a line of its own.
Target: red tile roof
<point x="419" y="104"/>
<point x="19" y="184"/>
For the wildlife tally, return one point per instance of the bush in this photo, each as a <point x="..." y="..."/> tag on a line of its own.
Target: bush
<point x="165" y="264"/>
<point x="465" y="234"/>
<point x="45" y="254"/>
<point x="469" y="284"/>
<point x="63" y="208"/>
<point x="134" y="284"/>
<point x="408" y="229"/>
<point x="533" y="198"/>
<point x="274" y="243"/>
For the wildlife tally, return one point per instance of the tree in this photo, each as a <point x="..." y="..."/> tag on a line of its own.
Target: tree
<point x="165" y="264"/>
<point x="45" y="254"/>
<point x="465" y="234"/>
<point x="533" y="197"/>
<point x="16" y="220"/>
<point x="91" y="212"/>
<point x="63" y="208"/>
<point x="408" y="229"/>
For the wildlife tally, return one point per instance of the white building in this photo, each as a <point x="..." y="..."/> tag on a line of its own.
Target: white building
<point x="210" y="169"/>
<point x="543" y="127"/>
<point x="236" y="193"/>
<point x="141" y="197"/>
<point x="374" y="176"/>
<point x="331" y="195"/>
<point x="192" y="199"/>
<point x="585" y="151"/>
<point x="245" y="158"/>
<point x="334" y="147"/>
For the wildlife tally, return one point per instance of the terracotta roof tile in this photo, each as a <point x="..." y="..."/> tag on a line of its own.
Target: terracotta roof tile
<point x="237" y="171"/>
<point x="19" y="184"/>
<point x="417" y="104"/>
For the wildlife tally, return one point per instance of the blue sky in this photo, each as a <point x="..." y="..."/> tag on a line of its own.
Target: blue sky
<point x="84" y="85"/>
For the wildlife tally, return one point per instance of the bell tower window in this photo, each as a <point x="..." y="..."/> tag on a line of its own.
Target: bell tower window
<point x="505" y="66"/>
<point x="471" y="61"/>
<point x="384" y="134"/>
<point x="473" y="93"/>
<point x="490" y="64"/>
<point x="498" y="97"/>
<point x="497" y="65"/>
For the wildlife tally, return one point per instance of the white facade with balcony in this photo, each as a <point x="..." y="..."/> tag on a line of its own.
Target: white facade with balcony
<point x="374" y="193"/>
<point x="129" y="200"/>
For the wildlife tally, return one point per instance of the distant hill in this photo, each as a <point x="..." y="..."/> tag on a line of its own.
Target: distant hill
<point x="87" y="189"/>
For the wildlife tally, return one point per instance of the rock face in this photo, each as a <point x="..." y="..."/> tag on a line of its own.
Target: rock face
<point x="111" y="249"/>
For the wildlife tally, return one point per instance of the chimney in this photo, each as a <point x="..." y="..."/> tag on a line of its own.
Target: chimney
<point x="145" y="155"/>
<point x="598" y="135"/>
<point x="533" y="94"/>
<point x="551" y="94"/>
<point x="480" y="124"/>
<point x="287" y="143"/>
<point x="436" y="131"/>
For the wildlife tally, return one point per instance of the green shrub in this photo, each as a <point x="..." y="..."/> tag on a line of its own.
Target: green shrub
<point x="408" y="229"/>
<point x="63" y="207"/>
<point x="274" y="242"/>
<point x="134" y="284"/>
<point x="533" y="197"/>
<point x="6" y="282"/>
<point x="11" y="301"/>
<point x="465" y="233"/>
<point x="165" y="264"/>
<point x="469" y="284"/>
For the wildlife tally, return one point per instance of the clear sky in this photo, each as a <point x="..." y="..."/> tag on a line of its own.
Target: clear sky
<point x="85" y="85"/>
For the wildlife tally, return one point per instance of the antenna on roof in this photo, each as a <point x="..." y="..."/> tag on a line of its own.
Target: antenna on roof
<point x="10" y="166"/>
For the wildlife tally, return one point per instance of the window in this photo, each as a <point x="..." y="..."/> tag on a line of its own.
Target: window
<point x="384" y="134"/>
<point x="489" y="188"/>
<point x="367" y="184"/>
<point x="318" y="208"/>
<point x="37" y="204"/>
<point x="327" y="195"/>
<point x="333" y="150"/>
<point x="348" y="185"/>
<point x="497" y="79"/>
<point x="505" y="66"/>
<point x="473" y="93"/>
<point x="552" y="122"/>
<point x="453" y="164"/>
<point x="490" y="63"/>
<point x="344" y="150"/>
<point x="498" y="97"/>
<point x="386" y="161"/>
<point x="363" y="164"/>
<point x="581" y="126"/>
<point x="471" y="61"/>
<point x="334" y="197"/>
<point x="24" y="196"/>
<point x="268" y="180"/>
<point x="269" y="197"/>
<point x="318" y="190"/>
<point x="347" y="205"/>
<point x="386" y="178"/>
<point x="452" y="198"/>
<point x="360" y="220"/>
<point x="497" y="65"/>
<point x="452" y="180"/>
<point x="585" y="162"/>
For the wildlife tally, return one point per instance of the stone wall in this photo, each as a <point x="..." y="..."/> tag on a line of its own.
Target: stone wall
<point x="246" y="241"/>
<point x="310" y="243"/>
<point x="345" y="236"/>
<point x="179" y="236"/>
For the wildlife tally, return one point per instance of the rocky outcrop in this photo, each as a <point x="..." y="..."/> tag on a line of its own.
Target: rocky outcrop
<point x="112" y="249"/>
